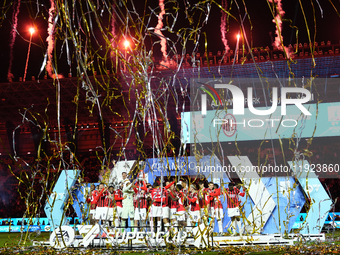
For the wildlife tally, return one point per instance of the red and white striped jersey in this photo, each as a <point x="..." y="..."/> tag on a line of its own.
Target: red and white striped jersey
<point x="91" y="198"/>
<point x="233" y="197"/>
<point x="166" y="198"/>
<point x="119" y="198"/>
<point x="101" y="198"/>
<point x="185" y="193"/>
<point x="181" y="206"/>
<point x="173" y="204"/>
<point x="216" y="194"/>
<point x="109" y="200"/>
<point x="140" y="200"/>
<point x="156" y="195"/>
<point x="210" y="198"/>
<point x="138" y="187"/>
<point x="194" y="201"/>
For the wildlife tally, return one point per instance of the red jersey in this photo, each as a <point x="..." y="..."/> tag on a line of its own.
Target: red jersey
<point x="217" y="195"/>
<point x="233" y="197"/>
<point x="119" y="198"/>
<point x="109" y="200"/>
<point x="173" y="204"/>
<point x="204" y="198"/>
<point x="186" y="194"/>
<point x="157" y="194"/>
<point x="137" y="187"/>
<point x="194" y="202"/>
<point x="101" y="198"/>
<point x="91" y="198"/>
<point x="139" y="199"/>
<point x="210" y="199"/>
<point x="148" y="200"/>
<point x="166" y="198"/>
<point x="201" y="198"/>
<point x="181" y="206"/>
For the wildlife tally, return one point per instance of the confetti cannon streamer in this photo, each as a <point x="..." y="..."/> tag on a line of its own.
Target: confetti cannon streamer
<point x="32" y="30"/>
<point x="159" y="32"/>
<point x="278" y="42"/>
<point x="50" y="39"/>
<point x="223" y="26"/>
<point x="12" y="40"/>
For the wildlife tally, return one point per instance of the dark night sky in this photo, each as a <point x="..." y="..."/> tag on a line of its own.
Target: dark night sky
<point x="260" y="35"/>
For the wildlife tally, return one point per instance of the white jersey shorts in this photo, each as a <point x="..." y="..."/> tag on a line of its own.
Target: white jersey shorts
<point x="119" y="212"/>
<point x="180" y="216"/>
<point x="101" y="213"/>
<point x="195" y="216"/>
<point x="156" y="211"/>
<point x="166" y="212"/>
<point x="211" y="212"/>
<point x="110" y="213"/>
<point x="173" y="212"/>
<point x="93" y="212"/>
<point x="128" y="212"/>
<point x="219" y="213"/>
<point x="234" y="212"/>
<point x="140" y="214"/>
<point x="205" y="212"/>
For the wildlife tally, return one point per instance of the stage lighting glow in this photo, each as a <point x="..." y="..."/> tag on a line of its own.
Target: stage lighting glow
<point x="32" y="30"/>
<point x="126" y="44"/>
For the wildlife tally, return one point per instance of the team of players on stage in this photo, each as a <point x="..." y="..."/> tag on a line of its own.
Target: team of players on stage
<point x="175" y="204"/>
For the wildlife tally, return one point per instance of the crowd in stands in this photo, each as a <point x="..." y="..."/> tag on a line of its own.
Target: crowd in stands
<point x="301" y="50"/>
<point x="259" y="54"/>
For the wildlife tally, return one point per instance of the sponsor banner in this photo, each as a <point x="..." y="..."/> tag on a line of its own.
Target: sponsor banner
<point x="22" y="228"/>
<point x="34" y="228"/>
<point x="207" y="166"/>
<point x="31" y="224"/>
<point x="16" y="228"/>
<point x="4" y="228"/>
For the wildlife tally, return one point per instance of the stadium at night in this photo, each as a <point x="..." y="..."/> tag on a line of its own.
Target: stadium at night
<point x="159" y="125"/>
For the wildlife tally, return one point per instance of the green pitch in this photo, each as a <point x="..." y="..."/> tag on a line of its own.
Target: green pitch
<point x="9" y="245"/>
<point x="13" y="239"/>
